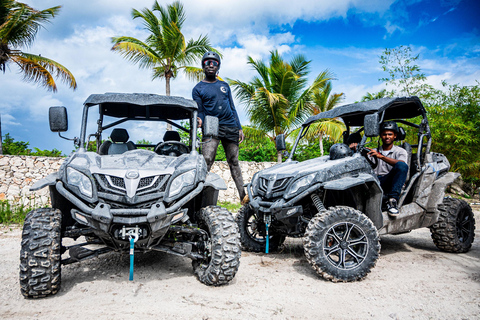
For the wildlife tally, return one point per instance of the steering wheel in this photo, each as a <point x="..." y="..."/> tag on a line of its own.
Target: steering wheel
<point x="171" y="148"/>
<point x="373" y="163"/>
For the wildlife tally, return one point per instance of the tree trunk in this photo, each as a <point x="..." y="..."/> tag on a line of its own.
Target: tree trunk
<point x="321" y="144"/>
<point x="279" y="156"/>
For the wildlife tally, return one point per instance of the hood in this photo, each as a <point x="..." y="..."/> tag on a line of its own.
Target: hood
<point x="135" y="172"/>
<point x="140" y="160"/>
<point x="280" y="180"/>
<point x="329" y="169"/>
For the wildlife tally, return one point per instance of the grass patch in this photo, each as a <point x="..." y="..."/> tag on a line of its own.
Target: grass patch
<point x="12" y="213"/>
<point x="232" y="207"/>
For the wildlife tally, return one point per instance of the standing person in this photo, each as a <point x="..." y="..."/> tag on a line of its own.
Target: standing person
<point x="214" y="98"/>
<point x="391" y="169"/>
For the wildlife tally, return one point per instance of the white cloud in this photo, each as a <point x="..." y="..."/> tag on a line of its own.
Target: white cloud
<point x="79" y="38"/>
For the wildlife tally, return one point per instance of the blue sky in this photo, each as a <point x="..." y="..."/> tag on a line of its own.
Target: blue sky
<point x="345" y="36"/>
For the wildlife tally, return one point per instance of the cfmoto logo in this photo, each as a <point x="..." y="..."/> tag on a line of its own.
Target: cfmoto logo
<point x="132" y="174"/>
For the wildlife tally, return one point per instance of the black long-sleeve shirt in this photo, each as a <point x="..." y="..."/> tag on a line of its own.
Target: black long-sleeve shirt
<point x="215" y="99"/>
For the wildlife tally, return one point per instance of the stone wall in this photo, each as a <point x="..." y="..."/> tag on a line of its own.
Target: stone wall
<point x="18" y="173"/>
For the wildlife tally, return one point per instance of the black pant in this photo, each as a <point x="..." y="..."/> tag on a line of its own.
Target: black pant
<point x="209" y="150"/>
<point x="393" y="181"/>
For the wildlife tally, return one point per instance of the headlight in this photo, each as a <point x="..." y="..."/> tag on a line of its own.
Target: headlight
<point x="300" y="183"/>
<point x="183" y="180"/>
<point x="79" y="180"/>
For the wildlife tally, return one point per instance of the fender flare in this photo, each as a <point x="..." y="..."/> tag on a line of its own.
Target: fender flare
<point x="49" y="180"/>
<point x="215" y="181"/>
<point x="373" y="203"/>
<point x="438" y="189"/>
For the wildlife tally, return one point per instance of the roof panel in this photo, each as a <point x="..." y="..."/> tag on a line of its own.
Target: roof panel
<point x="353" y="114"/>
<point x="143" y="105"/>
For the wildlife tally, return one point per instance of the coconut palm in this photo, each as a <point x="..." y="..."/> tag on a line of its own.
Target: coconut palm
<point x="165" y="50"/>
<point x="324" y="100"/>
<point x="278" y="100"/>
<point x="19" y="24"/>
<point x="377" y="95"/>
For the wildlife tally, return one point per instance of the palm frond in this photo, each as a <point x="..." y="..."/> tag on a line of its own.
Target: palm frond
<point x="34" y="67"/>
<point x="22" y="23"/>
<point x="194" y="73"/>
<point x="136" y="51"/>
<point x="326" y="127"/>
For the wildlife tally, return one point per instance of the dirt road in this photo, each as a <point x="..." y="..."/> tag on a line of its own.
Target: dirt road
<point x="412" y="280"/>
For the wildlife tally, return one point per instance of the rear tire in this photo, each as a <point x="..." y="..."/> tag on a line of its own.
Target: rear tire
<point x="341" y="244"/>
<point x="223" y="249"/>
<point x="454" y="230"/>
<point x="252" y="231"/>
<point x="40" y="257"/>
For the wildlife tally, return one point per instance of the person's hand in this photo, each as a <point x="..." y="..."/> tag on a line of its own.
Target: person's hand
<point x="375" y="153"/>
<point x="199" y="122"/>
<point x="241" y="136"/>
<point x="353" y="146"/>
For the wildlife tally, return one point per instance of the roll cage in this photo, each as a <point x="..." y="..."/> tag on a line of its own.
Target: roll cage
<point x="395" y="109"/>
<point x="138" y="107"/>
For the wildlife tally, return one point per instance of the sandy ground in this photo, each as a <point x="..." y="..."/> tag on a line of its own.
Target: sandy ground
<point x="412" y="280"/>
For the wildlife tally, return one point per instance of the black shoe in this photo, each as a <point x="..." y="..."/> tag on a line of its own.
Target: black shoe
<point x="392" y="207"/>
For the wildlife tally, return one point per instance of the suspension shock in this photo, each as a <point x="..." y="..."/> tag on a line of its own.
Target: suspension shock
<point x="317" y="202"/>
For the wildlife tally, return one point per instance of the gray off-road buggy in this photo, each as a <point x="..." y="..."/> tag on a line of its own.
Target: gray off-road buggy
<point x="335" y="202"/>
<point x="128" y="199"/>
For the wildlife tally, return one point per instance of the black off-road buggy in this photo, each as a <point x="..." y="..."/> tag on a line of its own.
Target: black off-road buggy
<point x="126" y="198"/>
<point x="335" y="202"/>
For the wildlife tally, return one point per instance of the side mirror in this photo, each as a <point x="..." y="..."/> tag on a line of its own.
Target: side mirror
<point x="371" y="125"/>
<point x="280" y="142"/>
<point x="58" y="119"/>
<point x="210" y="127"/>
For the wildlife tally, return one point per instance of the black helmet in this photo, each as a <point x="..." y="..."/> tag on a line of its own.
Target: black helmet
<point x="389" y="125"/>
<point x="339" y="151"/>
<point x="211" y="55"/>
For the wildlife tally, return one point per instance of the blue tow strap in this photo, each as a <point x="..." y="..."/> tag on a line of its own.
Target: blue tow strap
<point x="132" y="251"/>
<point x="266" y="246"/>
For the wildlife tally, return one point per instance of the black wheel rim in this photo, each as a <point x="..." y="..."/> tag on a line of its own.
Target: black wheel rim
<point x="464" y="225"/>
<point x="255" y="228"/>
<point x="345" y="245"/>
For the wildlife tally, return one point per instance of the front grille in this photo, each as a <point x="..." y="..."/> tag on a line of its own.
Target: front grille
<point x="117" y="182"/>
<point x="263" y="184"/>
<point x="144" y="205"/>
<point x="280" y="184"/>
<point x="275" y="188"/>
<point x="145" y="182"/>
<point x="116" y="185"/>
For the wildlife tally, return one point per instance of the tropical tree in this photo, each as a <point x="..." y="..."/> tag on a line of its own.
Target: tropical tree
<point x="165" y="50"/>
<point x="19" y="24"/>
<point x="324" y="100"/>
<point x="278" y="100"/>
<point x="377" y="95"/>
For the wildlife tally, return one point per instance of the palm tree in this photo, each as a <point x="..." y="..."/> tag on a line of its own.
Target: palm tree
<point x="19" y="24"/>
<point x="165" y="50"/>
<point x="278" y="100"/>
<point x="325" y="101"/>
<point x="378" y="95"/>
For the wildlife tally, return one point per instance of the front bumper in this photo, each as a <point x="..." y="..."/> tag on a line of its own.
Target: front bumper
<point x="157" y="218"/>
<point x="281" y="208"/>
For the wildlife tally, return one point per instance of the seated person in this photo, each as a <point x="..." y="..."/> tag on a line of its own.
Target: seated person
<point x="392" y="169"/>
